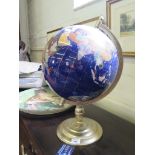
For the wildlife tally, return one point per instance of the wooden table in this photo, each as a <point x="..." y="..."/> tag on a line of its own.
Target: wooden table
<point x="38" y="135"/>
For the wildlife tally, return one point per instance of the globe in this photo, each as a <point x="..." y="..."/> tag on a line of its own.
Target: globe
<point x="82" y="63"/>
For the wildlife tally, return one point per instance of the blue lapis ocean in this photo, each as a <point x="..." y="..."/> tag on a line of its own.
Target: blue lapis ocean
<point x="82" y="63"/>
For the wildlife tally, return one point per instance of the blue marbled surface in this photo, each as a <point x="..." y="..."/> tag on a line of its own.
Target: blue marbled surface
<point x="82" y="63"/>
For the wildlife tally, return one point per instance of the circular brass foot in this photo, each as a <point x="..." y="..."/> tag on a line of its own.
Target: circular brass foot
<point x="79" y="132"/>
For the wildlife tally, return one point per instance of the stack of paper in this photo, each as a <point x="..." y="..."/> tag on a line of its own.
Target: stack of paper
<point x="29" y="75"/>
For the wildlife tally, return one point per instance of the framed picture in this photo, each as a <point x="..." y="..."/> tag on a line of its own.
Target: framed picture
<point x="121" y="21"/>
<point x="52" y="33"/>
<point x="89" y="22"/>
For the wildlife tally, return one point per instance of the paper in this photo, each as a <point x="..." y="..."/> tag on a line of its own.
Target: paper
<point x="28" y="67"/>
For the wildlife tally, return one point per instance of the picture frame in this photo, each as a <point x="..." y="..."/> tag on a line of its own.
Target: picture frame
<point x="121" y="21"/>
<point x="90" y="22"/>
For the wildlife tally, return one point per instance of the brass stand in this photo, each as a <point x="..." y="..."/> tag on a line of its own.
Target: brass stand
<point x="79" y="130"/>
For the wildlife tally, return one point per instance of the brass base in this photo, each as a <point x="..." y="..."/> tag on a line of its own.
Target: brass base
<point x="75" y="131"/>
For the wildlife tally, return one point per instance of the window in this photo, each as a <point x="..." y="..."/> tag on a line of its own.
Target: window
<point x="81" y="3"/>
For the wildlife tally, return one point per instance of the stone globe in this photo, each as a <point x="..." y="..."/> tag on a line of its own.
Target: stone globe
<point x="82" y="64"/>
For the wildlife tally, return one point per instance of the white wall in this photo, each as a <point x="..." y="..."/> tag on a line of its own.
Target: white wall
<point x="45" y="15"/>
<point x="121" y="101"/>
<point x="23" y="19"/>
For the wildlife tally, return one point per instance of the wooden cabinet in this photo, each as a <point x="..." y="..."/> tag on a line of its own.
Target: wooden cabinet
<point x="38" y="135"/>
